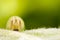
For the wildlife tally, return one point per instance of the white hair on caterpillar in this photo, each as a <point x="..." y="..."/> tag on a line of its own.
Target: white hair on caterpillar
<point x="15" y="23"/>
<point x="14" y="35"/>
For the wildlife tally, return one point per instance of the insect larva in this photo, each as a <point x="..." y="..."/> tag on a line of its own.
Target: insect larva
<point x="15" y="23"/>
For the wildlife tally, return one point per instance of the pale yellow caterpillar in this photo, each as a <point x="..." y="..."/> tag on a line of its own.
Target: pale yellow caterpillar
<point x="15" y="23"/>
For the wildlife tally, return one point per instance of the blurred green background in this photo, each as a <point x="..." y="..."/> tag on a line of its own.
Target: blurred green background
<point x="35" y="13"/>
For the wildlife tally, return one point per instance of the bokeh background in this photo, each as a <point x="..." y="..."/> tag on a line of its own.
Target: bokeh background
<point x="35" y="13"/>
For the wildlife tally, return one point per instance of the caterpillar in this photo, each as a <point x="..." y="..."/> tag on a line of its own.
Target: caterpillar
<point x="15" y="23"/>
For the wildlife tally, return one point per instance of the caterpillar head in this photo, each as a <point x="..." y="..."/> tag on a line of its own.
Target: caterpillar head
<point x="15" y="23"/>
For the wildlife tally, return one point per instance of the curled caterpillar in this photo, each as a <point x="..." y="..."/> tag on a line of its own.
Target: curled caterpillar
<point x="15" y="23"/>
